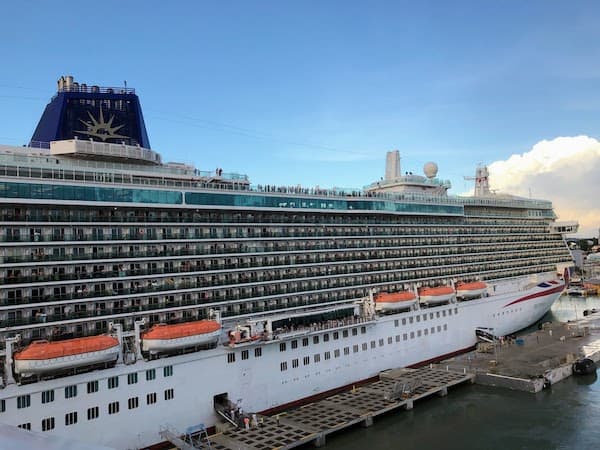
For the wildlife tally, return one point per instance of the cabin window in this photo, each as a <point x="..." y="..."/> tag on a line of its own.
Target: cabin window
<point x="282" y="347"/>
<point x="2" y="406"/>
<point x="133" y="402"/>
<point x="295" y="363"/>
<point x="25" y="426"/>
<point x="345" y="333"/>
<point x="315" y="339"/>
<point x="48" y="396"/>
<point x="71" y="391"/>
<point x="364" y="346"/>
<point x="258" y="352"/>
<point x="405" y="337"/>
<point x="245" y="354"/>
<point x="93" y="413"/>
<point x="396" y="323"/>
<point x="373" y="344"/>
<point x="71" y="418"/>
<point x="294" y="344"/>
<point x="150" y="374"/>
<point x="230" y="357"/>
<point x="92" y="387"/>
<point x="397" y="338"/>
<point x="404" y="321"/>
<point x="113" y="408"/>
<point x="336" y="335"/>
<point x="48" y="424"/>
<point x="354" y="331"/>
<point x="317" y="357"/>
<point x="151" y="398"/>
<point x="363" y="330"/>
<point x="305" y="342"/>
<point x="336" y="353"/>
<point x="23" y="401"/>
<point x="113" y="382"/>
<point x="169" y="394"/>
<point x="412" y="334"/>
<point x="327" y="355"/>
<point x="326" y="337"/>
<point x="306" y="360"/>
<point x="283" y="366"/>
<point x="346" y="351"/>
<point x="168" y="371"/>
<point x="132" y="378"/>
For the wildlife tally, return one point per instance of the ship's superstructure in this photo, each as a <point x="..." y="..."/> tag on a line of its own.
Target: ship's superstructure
<point x="287" y="292"/>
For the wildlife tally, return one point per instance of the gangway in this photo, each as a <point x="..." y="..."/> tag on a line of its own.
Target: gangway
<point x="486" y="334"/>
<point x="194" y="438"/>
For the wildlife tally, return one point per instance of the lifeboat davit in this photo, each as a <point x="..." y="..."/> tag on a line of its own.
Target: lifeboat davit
<point x="393" y="301"/>
<point x="164" y="338"/>
<point x="471" y="290"/>
<point x="41" y="357"/>
<point x="440" y="294"/>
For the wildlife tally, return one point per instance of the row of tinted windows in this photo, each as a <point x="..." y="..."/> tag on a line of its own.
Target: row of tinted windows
<point x="88" y="193"/>
<point x="364" y="346"/>
<point x="264" y="201"/>
<point x="94" y="412"/>
<point x="24" y="401"/>
<point x="109" y="194"/>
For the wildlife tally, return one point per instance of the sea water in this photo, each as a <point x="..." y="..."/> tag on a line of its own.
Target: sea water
<point x="565" y="416"/>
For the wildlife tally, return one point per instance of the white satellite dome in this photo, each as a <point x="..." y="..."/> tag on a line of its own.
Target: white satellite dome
<point x="430" y="169"/>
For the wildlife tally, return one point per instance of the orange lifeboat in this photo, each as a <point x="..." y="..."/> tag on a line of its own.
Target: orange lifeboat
<point x="393" y="301"/>
<point x="163" y="338"/>
<point x="42" y="356"/>
<point x="471" y="290"/>
<point x="439" y="294"/>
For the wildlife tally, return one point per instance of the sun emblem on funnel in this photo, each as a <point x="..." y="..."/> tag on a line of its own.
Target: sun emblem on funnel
<point x="101" y="129"/>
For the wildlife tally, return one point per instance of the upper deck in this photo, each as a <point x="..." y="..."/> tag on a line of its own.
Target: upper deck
<point x="43" y="174"/>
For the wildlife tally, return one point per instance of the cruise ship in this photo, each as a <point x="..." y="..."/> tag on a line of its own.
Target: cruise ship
<point x="137" y="294"/>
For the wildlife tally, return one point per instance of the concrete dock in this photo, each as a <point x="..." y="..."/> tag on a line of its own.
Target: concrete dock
<point x="397" y="389"/>
<point x="535" y="360"/>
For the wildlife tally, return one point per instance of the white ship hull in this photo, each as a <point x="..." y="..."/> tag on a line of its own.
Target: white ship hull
<point x="257" y="381"/>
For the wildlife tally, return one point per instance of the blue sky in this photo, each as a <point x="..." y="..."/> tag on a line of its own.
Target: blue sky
<point x="316" y="92"/>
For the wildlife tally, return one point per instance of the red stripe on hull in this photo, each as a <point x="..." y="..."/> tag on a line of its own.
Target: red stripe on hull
<point x="537" y="294"/>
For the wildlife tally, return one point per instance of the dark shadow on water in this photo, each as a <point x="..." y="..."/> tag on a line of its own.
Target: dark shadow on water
<point x="586" y="380"/>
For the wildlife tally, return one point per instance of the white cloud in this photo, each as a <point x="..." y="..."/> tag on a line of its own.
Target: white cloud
<point x="564" y="170"/>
